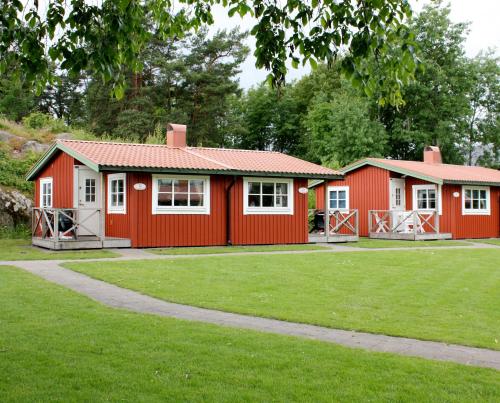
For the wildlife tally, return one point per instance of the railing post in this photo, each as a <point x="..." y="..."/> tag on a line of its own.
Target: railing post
<point x="327" y="213"/>
<point x="357" y="222"/>
<point x="369" y="222"/>
<point x="56" y="225"/>
<point x="415" y="214"/>
<point x="436" y="222"/>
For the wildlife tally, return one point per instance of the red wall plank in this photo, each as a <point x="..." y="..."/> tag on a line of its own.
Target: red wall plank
<point x="60" y="168"/>
<point x="368" y="190"/>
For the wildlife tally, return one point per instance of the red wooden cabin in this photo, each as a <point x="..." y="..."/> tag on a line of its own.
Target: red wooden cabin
<point x="99" y="194"/>
<point x="418" y="200"/>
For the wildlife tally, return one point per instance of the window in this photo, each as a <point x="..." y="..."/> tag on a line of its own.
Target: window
<point x="181" y="194"/>
<point x="267" y="196"/>
<point x="475" y="200"/>
<point x="117" y="196"/>
<point x="427" y="197"/>
<point x="90" y="190"/>
<point x="338" y="197"/>
<point x="398" y="197"/>
<point x="46" y="192"/>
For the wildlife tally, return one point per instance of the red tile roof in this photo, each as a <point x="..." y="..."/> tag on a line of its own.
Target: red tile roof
<point x="439" y="172"/>
<point x="153" y="156"/>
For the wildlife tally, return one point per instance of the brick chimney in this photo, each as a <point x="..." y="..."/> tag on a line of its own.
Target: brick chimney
<point x="176" y="135"/>
<point x="432" y="155"/>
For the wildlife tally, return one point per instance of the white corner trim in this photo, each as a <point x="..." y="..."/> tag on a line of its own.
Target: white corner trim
<point x="116" y="209"/>
<point x="486" y="211"/>
<point x="248" y="210"/>
<point x="427" y="186"/>
<point x="339" y="189"/>
<point x="44" y="181"/>
<point x="205" y="209"/>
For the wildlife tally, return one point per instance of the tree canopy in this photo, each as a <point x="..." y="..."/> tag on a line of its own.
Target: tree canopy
<point x="108" y="37"/>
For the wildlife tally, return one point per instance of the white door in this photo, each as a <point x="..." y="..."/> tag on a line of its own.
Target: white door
<point x="89" y="200"/>
<point x="397" y="200"/>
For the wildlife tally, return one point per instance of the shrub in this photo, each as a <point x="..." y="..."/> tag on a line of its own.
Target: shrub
<point x="37" y="120"/>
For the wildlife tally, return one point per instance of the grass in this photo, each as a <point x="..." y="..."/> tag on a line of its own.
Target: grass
<point x="233" y="249"/>
<point x="388" y="243"/>
<point x="490" y="241"/>
<point x="446" y="295"/>
<point x="21" y="249"/>
<point x="56" y="345"/>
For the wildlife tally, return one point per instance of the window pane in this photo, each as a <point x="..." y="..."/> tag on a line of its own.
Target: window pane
<point x="120" y="199"/>
<point x="475" y="203"/>
<point x="482" y="194"/>
<point x="333" y="195"/>
<point x="342" y="194"/>
<point x="267" y="201"/>
<point x="342" y="204"/>
<point x="254" y="187"/>
<point x="181" y="186"/>
<point x="482" y="204"/>
<point x="333" y="204"/>
<point x="196" y="199"/>
<point x="196" y="186"/>
<point x="432" y="204"/>
<point x="164" y="199"/>
<point x="164" y="185"/>
<point x="467" y="204"/>
<point x="113" y="186"/>
<point x="282" y="201"/>
<point x="114" y="199"/>
<point x="180" y="199"/>
<point x="120" y="185"/>
<point x="475" y="194"/>
<point x="268" y="188"/>
<point x="253" y="201"/>
<point x="431" y="193"/>
<point x="282" y="188"/>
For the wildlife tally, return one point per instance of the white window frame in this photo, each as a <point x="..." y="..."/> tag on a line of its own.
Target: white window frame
<point x="339" y="189"/>
<point x="429" y="186"/>
<point x="471" y="211"/>
<point x="117" y="209"/>
<point x="46" y="181"/>
<point x="249" y="210"/>
<point x="205" y="209"/>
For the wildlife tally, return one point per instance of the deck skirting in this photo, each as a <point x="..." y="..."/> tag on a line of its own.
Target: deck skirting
<point x="81" y="243"/>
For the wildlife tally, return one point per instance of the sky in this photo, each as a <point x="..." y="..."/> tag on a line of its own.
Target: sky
<point x="482" y="15"/>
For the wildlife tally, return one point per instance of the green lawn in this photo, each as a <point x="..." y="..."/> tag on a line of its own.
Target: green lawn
<point x="387" y="243"/>
<point x="234" y="249"/>
<point x="21" y="249"/>
<point x="448" y="295"/>
<point x="490" y="241"/>
<point x="56" y="345"/>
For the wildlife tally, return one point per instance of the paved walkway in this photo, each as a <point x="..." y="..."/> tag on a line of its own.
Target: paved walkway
<point x="118" y="297"/>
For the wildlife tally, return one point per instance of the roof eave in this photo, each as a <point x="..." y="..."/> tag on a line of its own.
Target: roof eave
<point x="402" y="171"/>
<point x="50" y="153"/>
<point x="115" y="168"/>
<point x="468" y="182"/>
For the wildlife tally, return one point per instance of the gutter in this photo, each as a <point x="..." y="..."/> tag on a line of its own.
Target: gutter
<point x="229" y="241"/>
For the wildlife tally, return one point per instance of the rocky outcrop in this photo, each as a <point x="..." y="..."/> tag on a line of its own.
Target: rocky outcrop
<point x="15" y="208"/>
<point x="34" y="146"/>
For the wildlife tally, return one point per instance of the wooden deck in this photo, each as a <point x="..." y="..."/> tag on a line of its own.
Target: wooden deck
<point x="410" y="236"/>
<point x="82" y="242"/>
<point x="321" y="238"/>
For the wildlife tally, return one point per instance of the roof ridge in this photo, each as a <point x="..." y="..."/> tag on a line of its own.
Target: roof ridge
<point x="190" y="151"/>
<point x="237" y="149"/>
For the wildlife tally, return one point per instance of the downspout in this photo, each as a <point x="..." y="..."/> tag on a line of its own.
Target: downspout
<point x="228" y="211"/>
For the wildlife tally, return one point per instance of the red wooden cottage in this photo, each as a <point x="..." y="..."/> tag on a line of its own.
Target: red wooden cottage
<point x="92" y="194"/>
<point x="417" y="200"/>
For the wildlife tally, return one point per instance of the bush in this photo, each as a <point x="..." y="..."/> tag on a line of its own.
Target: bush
<point x="39" y="120"/>
<point x="13" y="171"/>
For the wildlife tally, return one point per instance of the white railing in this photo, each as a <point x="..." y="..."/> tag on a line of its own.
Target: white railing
<point x="403" y="222"/>
<point x="61" y="224"/>
<point x="341" y="222"/>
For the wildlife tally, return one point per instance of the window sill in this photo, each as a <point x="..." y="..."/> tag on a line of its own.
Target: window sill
<point x="476" y="212"/>
<point x="182" y="211"/>
<point x="116" y="212"/>
<point x="267" y="212"/>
